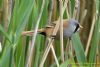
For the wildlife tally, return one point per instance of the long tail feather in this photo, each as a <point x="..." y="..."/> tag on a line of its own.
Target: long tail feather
<point x="30" y="33"/>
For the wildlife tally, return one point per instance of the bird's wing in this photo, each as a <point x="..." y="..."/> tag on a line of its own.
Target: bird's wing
<point x="65" y="23"/>
<point x="48" y="29"/>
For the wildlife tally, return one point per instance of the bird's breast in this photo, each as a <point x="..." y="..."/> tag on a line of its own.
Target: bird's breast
<point x="69" y="31"/>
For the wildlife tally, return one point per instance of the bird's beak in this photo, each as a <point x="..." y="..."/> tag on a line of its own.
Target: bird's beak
<point x="80" y="26"/>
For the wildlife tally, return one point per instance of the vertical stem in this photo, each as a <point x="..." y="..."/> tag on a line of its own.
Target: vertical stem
<point x="54" y="55"/>
<point x="76" y="9"/>
<point x="46" y="53"/>
<point x="50" y="11"/>
<point x="65" y="6"/>
<point x="61" y="30"/>
<point x="1" y="16"/>
<point x="28" y="64"/>
<point x="93" y="19"/>
<point x="7" y="6"/>
<point x="90" y="36"/>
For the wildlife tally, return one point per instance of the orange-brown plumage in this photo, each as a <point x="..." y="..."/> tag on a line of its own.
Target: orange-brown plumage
<point x="48" y="30"/>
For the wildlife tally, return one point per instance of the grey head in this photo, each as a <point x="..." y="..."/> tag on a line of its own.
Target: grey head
<point x="72" y="28"/>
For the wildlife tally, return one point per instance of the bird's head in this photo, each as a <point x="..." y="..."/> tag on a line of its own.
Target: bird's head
<point x="75" y="24"/>
<point x="72" y="27"/>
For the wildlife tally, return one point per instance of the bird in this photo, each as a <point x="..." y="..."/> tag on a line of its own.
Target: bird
<point x="70" y="27"/>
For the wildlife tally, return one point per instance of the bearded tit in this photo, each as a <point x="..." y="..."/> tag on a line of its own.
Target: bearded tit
<point x="70" y="27"/>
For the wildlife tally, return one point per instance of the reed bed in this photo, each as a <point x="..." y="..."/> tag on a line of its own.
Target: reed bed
<point x="17" y="50"/>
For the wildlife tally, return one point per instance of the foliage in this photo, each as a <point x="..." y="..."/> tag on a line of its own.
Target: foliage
<point x="24" y="16"/>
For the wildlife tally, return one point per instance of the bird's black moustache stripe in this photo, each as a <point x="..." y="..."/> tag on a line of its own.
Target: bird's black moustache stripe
<point x="76" y="28"/>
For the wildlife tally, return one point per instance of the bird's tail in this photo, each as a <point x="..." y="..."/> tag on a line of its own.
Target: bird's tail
<point x="30" y="33"/>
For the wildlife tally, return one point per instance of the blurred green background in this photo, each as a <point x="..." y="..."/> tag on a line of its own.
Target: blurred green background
<point x="17" y="16"/>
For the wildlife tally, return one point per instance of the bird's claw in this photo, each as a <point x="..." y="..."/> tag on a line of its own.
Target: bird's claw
<point x="53" y="36"/>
